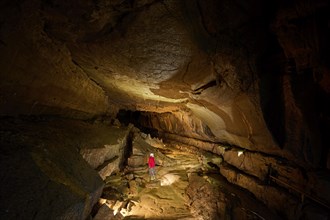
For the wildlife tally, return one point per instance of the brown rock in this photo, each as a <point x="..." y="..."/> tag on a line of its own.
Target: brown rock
<point x="137" y="161"/>
<point x="104" y="213"/>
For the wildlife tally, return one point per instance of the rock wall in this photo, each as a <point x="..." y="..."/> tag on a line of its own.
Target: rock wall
<point x="250" y="75"/>
<point x="43" y="174"/>
<point x="230" y="67"/>
<point x="111" y="157"/>
<point x="38" y="75"/>
<point x="254" y="171"/>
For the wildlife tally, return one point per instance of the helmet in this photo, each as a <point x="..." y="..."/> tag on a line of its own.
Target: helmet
<point x="151" y="155"/>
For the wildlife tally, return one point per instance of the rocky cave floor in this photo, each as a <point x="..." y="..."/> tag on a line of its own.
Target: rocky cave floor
<point x="188" y="186"/>
<point x="44" y="169"/>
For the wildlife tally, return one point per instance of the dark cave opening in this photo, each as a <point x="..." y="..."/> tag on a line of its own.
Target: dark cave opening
<point x="127" y="117"/>
<point x="272" y="68"/>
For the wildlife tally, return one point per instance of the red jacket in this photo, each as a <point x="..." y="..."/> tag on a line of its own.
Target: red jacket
<point x="151" y="162"/>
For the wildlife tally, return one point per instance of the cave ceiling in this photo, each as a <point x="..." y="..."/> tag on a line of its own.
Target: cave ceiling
<point x="206" y="60"/>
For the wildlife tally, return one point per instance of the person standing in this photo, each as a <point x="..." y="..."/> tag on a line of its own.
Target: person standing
<point x="151" y="163"/>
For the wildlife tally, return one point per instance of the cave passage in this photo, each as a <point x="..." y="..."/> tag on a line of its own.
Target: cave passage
<point x="188" y="185"/>
<point x="139" y="119"/>
<point x="188" y="167"/>
<point x="232" y="97"/>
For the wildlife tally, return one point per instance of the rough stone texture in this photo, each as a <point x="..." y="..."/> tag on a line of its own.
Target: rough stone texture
<point x="110" y="157"/>
<point x="249" y="74"/>
<point x="95" y="157"/>
<point x="260" y="166"/>
<point x="38" y="75"/>
<point x="288" y="203"/>
<point x="205" y="199"/>
<point x="104" y="213"/>
<point x="210" y="196"/>
<point x="137" y="161"/>
<point x="109" y="167"/>
<point x="273" y="197"/>
<point x="141" y="151"/>
<point x="198" y="58"/>
<point x="214" y="199"/>
<point x="37" y="181"/>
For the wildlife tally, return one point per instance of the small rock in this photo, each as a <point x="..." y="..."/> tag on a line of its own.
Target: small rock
<point x="111" y="203"/>
<point x="133" y="187"/>
<point x="143" y="135"/>
<point x="118" y="216"/>
<point x="136" y="161"/>
<point x="130" y="176"/>
<point x="102" y="201"/>
<point x="104" y="213"/>
<point x="138" y="180"/>
<point x="116" y="122"/>
<point x="117" y="205"/>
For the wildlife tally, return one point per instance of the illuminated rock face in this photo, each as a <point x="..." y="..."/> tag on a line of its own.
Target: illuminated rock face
<point x="252" y="76"/>
<point x="110" y="157"/>
<point x="215" y="62"/>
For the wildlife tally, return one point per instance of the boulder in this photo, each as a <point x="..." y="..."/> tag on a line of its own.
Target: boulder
<point x="37" y="182"/>
<point x="137" y="161"/>
<point x="109" y="156"/>
<point x="104" y="213"/>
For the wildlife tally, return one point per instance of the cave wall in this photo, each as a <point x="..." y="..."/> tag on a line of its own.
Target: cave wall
<point x="38" y="75"/>
<point x="42" y="173"/>
<point x="301" y="31"/>
<point x="269" y="94"/>
<point x="211" y="59"/>
<point x="249" y="75"/>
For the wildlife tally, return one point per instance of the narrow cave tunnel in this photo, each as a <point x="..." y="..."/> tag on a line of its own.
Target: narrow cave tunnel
<point x="230" y="97"/>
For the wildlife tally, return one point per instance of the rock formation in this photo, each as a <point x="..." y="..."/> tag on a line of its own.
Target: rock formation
<point x="244" y="84"/>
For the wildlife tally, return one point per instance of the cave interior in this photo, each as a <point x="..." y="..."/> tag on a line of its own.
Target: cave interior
<point x="231" y="97"/>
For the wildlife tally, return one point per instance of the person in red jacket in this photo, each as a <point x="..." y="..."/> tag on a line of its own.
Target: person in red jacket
<point x="151" y="163"/>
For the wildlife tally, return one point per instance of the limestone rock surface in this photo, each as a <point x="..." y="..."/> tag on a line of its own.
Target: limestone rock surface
<point x="220" y="76"/>
<point x="110" y="157"/>
<point x="37" y="181"/>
